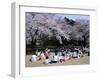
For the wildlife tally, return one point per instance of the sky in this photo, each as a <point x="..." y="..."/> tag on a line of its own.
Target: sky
<point x="75" y="16"/>
<point x="70" y="16"/>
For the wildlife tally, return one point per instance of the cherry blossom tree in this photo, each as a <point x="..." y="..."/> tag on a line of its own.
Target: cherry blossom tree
<point x="46" y="26"/>
<point x="43" y="26"/>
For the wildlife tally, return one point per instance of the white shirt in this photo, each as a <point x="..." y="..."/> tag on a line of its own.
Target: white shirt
<point x="55" y="58"/>
<point x="59" y="53"/>
<point x="38" y="54"/>
<point x="46" y="52"/>
<point x="60" y="57"/>
<point x="75" y="54"/>
<point x="34" y="58"/>
<point x="46" y="61"/>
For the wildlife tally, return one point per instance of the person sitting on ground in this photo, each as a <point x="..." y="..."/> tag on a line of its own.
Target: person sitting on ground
<point x="33" y="58"/>
<point x="46" y="53"/>
<point x="75" y="54"/>
<point x="38" y="53"/>
<point x="42" y="56"/>
<point x="81" y="53"/>
<point x="64" y="52"/>
<point x="70" y="54"/>
<point x="47" y="61"/>
<point x="67" y="57"/>
<point x="62" y="58"/>
<point x="78" y="53"/>
<point x="59" y="53"/>
<point x="55" y="59"/>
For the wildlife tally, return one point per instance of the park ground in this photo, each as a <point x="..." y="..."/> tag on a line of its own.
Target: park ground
<point x="82" y="61"/>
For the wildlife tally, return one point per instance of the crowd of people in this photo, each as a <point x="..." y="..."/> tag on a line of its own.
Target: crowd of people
<point x="59" y="55"/>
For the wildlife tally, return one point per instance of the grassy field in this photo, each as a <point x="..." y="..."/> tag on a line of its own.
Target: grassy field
<point x="82" y="61"/>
